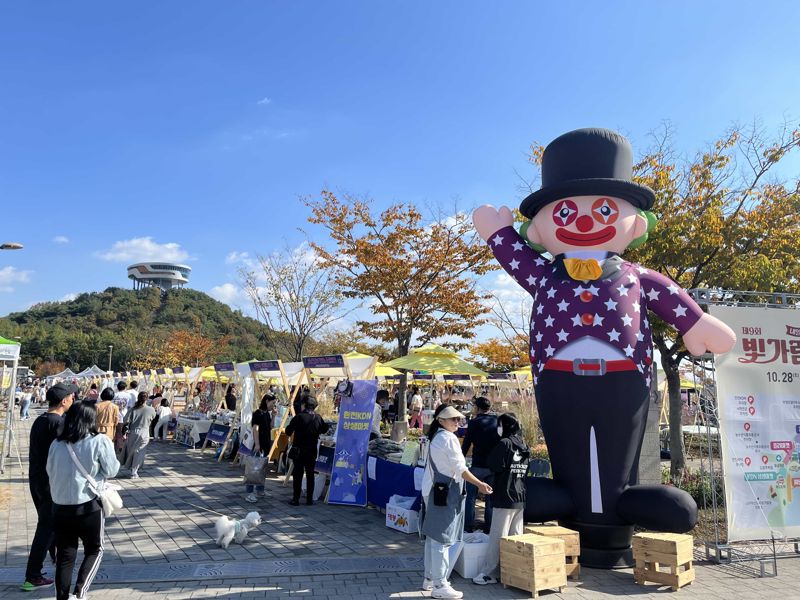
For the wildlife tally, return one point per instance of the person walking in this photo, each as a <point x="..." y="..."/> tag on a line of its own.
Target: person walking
<point x="262" y="441"/>
<point x="416" y="409"/>
<point x="508" y="462"/>
<point x="442" y="522"/>
<point x="92" y="394"/>
<point x="138" y="424"/>
<point x="306" y="428"/>
<point x="107" y="414"/>
<point x="44" y="431"/>
<point x="77" y="511"/>
<point x="481" y="437"/>
<point x="25" y="404"/>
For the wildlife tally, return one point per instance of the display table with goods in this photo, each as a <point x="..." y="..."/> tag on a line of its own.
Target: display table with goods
<point x="192" y="428"/>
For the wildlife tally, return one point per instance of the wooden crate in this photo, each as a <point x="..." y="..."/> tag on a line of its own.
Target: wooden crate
<point x="655" y="552"/>
<point x="533" y="563"/>
<point x="572" y="545"/>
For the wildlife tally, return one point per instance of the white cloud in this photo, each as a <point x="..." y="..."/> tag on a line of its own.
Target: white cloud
<point x="12" y="275"/>
<point x="68" y="297"/>
<point x="264" y="101"/>
<point x="143" y="249"/>
<point x="61" y="239"/>
<point x="228" y="293"/>
<point x="237" y="257"/>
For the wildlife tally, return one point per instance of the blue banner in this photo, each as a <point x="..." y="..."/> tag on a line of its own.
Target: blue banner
<point x="217" y="433"/>
<point x="348" y="474"/>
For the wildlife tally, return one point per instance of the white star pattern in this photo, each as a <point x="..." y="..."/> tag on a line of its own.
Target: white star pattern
<point x="641" y="270"/>
<point x="635" y="307"/>
<point x="628" y="350"/>
<point x="539" y="336"/>
<point x="563" y="306"/>
<point x="673" y="289"/>
<point x="598" y="320"/>
<point x="576" y="320"/>
<point x="641" y="370"/>
<point x="632" y="278"/>
<point x="593" y="290"/>
<point x="539" y="262"/>
<point x="548" y="322"/>
<point x="639" y="336"/>
<point x="539" y="309"/>
<point x="517" y="246"/>
<point x="551" y="293"/>
<point x="514" y="264"/>
<point x="626" y="320"/>
<point x="653" y="294"/>
<point x="613" y="335"/>
<point x="531" y="280"/>
<point x="610" y="304"/>
<point x="562" y="336"/>
<point x="623" y="291"/>
<point x="646" y="324"/>
<point x="647" y="381"/>
<point x="680" y="311"/>
<point x="579" y="290"/>
<point x="648" y="351"/>
<point x="549" y="350"/>
<point x="497" y="240"/>
<point x="543" y="281"/>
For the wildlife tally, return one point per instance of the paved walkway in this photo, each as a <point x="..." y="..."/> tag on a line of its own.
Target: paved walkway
<point x="161" y="546"/>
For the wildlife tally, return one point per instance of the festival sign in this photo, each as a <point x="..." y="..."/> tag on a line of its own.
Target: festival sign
<point x="348" y="473"/>
<point x="161" y="371"/>
<point x="457" y="378"/>
<point x="217" y="433"/>
<point x="264" y="366"/>
<point x="146" y="372"/>
<point x="177" y="370"/>
<point x="759" y="416"/>
<point x="334" y="361"/>
<point x="500" y="376"/>
<point x="223" y="367"/>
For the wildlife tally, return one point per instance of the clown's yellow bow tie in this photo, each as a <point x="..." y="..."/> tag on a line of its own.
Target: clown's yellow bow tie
<point x="583" y="269"/>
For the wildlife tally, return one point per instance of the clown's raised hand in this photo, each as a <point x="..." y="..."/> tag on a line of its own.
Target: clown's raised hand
<point x="487" y="220"/>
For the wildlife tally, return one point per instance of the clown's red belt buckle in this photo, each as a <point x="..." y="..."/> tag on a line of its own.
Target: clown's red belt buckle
<point x="589" y="366"/>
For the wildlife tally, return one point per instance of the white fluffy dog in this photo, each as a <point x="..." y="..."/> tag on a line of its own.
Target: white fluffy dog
<point x="230" y="530"/>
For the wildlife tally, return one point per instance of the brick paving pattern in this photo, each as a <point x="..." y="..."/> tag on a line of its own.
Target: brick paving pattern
<point x="161" y="547"/>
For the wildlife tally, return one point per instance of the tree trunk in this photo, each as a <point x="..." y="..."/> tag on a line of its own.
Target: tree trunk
<point x="676" y="448"/>
<point x="402" y="410"/>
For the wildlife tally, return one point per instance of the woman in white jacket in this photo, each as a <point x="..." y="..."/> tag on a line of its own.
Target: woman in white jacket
<point x="77" y="511"/>
<point x="443" y="496"/>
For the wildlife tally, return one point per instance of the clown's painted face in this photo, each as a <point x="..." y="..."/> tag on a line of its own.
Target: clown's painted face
<point x="587" y="223"/>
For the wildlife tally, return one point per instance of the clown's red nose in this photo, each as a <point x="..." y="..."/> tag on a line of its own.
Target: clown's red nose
<point x="584" y="223"/>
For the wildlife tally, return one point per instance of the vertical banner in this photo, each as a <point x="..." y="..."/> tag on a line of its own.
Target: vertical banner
<point x="248" y="402"/>
<point x="759" y="418"/>
<point x="348" y="474"/>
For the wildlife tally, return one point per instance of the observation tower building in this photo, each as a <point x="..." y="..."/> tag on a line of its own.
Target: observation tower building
<point x="158" y="274"/>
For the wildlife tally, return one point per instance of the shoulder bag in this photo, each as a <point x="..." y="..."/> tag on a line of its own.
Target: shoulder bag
<point x="107" y="492"/>
<point x="443" y="512"/>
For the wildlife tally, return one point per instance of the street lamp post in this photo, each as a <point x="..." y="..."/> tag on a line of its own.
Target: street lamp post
<point x="110" y="350"/>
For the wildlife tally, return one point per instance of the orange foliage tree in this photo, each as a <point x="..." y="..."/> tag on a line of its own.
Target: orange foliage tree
<point x="500" y="355"/>
<point x="419" y="276"/>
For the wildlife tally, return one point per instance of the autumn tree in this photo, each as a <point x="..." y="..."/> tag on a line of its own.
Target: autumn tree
<point x="418" y="275"/>
<point x="350" y="339"/>
<point x="187" y="348"/>
<point x="725" y="221"/>
<point x="501" y="355"/>
<point x="293" y="293"/>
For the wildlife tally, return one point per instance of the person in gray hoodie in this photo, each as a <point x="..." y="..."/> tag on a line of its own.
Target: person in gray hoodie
<point x="508" y="461"/>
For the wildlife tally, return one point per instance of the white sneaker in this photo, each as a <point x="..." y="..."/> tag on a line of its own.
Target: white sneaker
<point x="251" y="498"/>
<point x="445" y="591"/>
<point x="427" y="584"/>
<point x="482" y="579"/>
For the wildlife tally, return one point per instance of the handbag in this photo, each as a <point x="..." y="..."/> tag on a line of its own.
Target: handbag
<point x="294" y="453"/>
<point x="255" y="469"/>
<point x="108" y="493"/>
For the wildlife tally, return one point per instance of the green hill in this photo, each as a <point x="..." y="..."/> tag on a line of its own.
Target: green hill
<point x="78" y="332"/>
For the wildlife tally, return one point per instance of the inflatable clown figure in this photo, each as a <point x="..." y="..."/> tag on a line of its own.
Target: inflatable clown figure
<point x="591" y="344"/>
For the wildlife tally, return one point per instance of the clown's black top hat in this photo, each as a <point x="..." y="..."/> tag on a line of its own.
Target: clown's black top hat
<point x="587" y="162"/>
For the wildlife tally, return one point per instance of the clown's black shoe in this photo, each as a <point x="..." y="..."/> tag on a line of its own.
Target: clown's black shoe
<point x="546" y="500"/>
<point x="658" y="507"/>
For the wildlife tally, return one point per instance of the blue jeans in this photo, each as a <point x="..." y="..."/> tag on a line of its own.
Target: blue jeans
<point x="437" y="561"/>
<point x="249" y="487"/>
<point x="24" y="407"/>
<point x="483" y="474"/>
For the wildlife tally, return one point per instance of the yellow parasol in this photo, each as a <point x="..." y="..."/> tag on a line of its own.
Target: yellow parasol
<point x="381" y="370"/>
<point x="434" y="359"/>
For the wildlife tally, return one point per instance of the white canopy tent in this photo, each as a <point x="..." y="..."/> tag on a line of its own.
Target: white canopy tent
<point x="93" y="371"/>
<point x="9" y="357"/>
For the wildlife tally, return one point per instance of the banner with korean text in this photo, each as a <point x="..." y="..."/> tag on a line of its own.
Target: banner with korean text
<point x="759" y="420"/>
<point x="348" y="473"/>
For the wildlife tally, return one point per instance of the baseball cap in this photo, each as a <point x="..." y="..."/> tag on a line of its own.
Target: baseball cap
<point x="60" y="391"/>
<point x="449" y="413"/>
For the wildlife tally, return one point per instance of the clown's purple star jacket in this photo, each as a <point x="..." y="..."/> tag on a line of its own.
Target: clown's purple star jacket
<point x="605" y="318"/>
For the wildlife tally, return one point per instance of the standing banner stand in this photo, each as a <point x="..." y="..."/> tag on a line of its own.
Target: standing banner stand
<point x="9" y="354"/>
<point x="348" y="473"/>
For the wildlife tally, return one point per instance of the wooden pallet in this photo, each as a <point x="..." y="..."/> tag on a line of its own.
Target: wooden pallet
<point x="533" y="563"/>
<point x="572" y="545"/>
<point x="663" y="558"/>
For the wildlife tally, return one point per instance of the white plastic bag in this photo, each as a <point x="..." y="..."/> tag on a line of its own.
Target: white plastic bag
<point x="402" y="501"/>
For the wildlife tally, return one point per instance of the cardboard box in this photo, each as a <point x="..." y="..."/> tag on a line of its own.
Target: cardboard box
<point x="470" y="561"/>
<point x="402" y="519"/>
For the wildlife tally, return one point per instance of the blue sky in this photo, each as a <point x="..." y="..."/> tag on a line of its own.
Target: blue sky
<point x="198" y="124"/>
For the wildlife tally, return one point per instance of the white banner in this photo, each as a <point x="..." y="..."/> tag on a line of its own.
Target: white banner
<point x="759" y="413"/>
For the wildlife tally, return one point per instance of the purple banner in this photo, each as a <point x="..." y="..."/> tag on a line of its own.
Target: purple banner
<point x="161" y="371"/>
<point x="134" y="372"/>
<point x="424" y="377"/>
<point x="456" y="378"/>
<point x="146" y="372"/>
<point x="348" y="473"/>
<point x="223" y="367"/>
<point x="501" y="376"/>
<point x="334" y="361"/>
<point x="264" y="365"/>
<point x="177" y="370"/>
